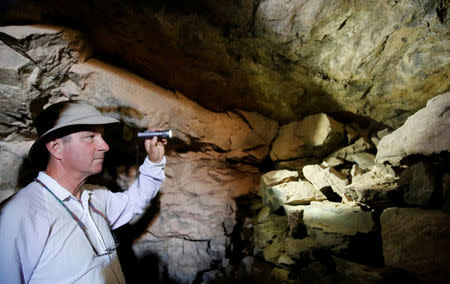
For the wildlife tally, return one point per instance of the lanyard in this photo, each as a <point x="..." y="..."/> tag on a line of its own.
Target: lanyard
<point x="75" y="217"/>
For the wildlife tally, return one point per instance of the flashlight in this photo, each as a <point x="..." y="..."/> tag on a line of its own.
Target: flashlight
<point x="159" y="133"/>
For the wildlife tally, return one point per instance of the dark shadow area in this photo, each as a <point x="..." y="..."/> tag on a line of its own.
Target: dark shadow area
<point x="241" y="237"/>
<point x="27" y="173"/>
<point x="363" y="122"/>
<point x="146" y="269"/>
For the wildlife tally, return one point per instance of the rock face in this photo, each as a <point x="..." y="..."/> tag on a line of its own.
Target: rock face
<point x="285" y="59"/>
<point x="210" y="161"/>
<point x="417" y="240"/>
<point x="315" y="135"/>
<point x="425" y="132"/>
<point x="337" y="218"/>
<point x="343" y="237"/>
<point x="317" y="219"/>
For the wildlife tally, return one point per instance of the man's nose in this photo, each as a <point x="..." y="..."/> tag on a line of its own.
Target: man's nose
<point x="102" y="145"/>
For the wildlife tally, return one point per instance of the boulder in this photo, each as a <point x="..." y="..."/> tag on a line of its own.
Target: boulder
<point x="418" y="241"/>
<point x="425" y="133"/>
<point x="322" y="176"/>
<point x="291" y="193"/>
<point x="375" y="138"/>
<point x="377" y="187"/>
<point x="364" y="160"/>
<point x="344" y="219"/>
<point x="418" y="183"/>
<point x="273" y="251"/>
<point x="346" y="153"/>
<point x="298" y="248"/>
<point x="273" y="231"/>
<point x="277" y="177"/>
<point x="316" y="135"/>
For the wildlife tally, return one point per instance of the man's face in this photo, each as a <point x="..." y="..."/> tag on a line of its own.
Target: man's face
<point x="83" y="152"/>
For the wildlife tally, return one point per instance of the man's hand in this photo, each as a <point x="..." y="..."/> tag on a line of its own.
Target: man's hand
<point x="155" y="148"/>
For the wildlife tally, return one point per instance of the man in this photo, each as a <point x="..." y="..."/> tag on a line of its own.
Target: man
<point x="54" y="230"/>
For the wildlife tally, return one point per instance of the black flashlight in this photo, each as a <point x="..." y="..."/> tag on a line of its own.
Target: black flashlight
<point x="159" y="133"/>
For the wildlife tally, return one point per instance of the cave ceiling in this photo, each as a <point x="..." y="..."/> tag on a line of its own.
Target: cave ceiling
<point x="284" y="59"/>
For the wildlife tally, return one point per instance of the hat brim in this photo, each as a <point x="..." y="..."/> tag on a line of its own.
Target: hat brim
<point x="38" y="155"/>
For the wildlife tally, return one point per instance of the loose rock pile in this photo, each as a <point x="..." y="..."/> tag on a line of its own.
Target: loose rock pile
<point x="351" y="218"/>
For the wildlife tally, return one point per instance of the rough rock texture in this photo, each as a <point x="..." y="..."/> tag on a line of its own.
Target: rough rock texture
<point x="285" y="59"/>
<point x="322" y="176"/>
<point x="291" y="193"/>
<point x="338" y="218"/>
<point x="196" y="209"/>
<point x="417" y="240"/>
<point x="418" y="184"/>
<point x="316" y="135"/>
<point x="426" y="132"/>
<point x="292" y="61"/>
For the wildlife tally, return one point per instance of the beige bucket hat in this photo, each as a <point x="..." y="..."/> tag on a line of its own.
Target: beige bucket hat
<point x="62" y="118"/>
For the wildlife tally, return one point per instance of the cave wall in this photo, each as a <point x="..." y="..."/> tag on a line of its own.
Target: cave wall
<point x="281" y="58"/>
<point x="212" y="160"/>
<point x="237" y="82"/>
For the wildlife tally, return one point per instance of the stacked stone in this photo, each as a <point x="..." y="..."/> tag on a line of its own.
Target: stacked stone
<point x="359" y="209"/>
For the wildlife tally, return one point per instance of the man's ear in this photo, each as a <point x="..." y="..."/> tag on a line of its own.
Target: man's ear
<point x="54" y="148"/>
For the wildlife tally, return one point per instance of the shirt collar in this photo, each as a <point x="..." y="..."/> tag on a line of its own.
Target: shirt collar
<point x="54" y="186"/>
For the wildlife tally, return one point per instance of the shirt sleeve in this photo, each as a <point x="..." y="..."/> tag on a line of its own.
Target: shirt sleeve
<point x="121" y="207"/>
<point x="23" y="238"/>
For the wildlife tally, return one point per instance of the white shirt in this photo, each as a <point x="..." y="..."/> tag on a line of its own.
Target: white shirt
<point x="42" y="243"/>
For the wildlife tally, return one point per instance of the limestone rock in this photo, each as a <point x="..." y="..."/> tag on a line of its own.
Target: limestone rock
<point x="333" y="162"/>
<point x="375" y="138"/>
<point x="352" y="272"/>
<point x="425" y="132"/>
<point x="418" y="184"/>
<point x="285" y="260"/>
<point x="294" y="215"/>
<point x="296" y="248"/>
<point x="263" y="215"/>
<point x="245" y="135"/>
<point x="383" y="59"/>
<point x="291" y="193"/>
<point x="418" y="241"/>
<point x="13" y="156"/>
<point x="279" y="275"/>
<point x="273" y="251"/>
<point x="347" y="153"/>
<point x="181" y="258"/>
<point x="196" y="213"/>
<point x="277" y="177"/>
<point x="336" y="243"/>
<point x="34" y="67"/>
<point x="377" y="187"/>
<point x="273" y="231"/>
<point x="197" y="200"/>
<point x="364" y="160"/>
<point x="379" y="175"/>
<point x="338" y="218"/>
<point x="321" y="177"/>
<point x="316" y="135"/>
